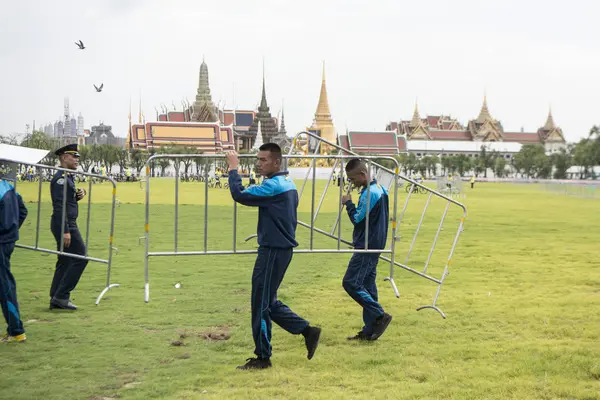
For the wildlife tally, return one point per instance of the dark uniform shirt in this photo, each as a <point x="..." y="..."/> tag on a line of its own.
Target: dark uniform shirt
<point x="56" y="191"/>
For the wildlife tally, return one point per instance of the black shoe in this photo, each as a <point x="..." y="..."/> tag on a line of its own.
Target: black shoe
<point x="256" y="363"/>
<point x="62" y="304"/>
<point x="311" y="339"/>
<point x="360" y="336"/>
<point x="381" y="325"/>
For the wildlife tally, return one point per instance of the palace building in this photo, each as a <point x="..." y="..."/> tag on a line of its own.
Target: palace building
<point x="442" y="134"/>
<point x="204" y="126"/>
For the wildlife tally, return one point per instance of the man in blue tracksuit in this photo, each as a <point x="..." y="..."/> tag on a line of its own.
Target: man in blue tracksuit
<point x="359" y="280"/>
<point x="12" y="215"/>
<point x="277" y="200"/>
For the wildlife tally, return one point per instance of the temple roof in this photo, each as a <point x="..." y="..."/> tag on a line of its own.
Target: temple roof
<point x="384" y="142"/>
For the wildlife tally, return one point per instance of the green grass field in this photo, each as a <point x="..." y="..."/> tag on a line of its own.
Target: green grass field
<point x="522" y="302"/>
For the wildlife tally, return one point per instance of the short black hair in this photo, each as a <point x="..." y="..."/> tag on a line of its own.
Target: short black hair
<point x="273" y="148"/>
<point x="356" y="163"/>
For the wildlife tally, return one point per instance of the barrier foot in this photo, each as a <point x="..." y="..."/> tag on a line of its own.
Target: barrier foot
<point x="391" y="280"/>
<point x="147" y="292"/>
<point x="106" y="289"/>
<point x="435" y="308"/>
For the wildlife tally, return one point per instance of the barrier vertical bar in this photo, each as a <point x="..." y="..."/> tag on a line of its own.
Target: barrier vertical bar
<point x="325" y="190"/>
<point x="206" y="206"/>
<point x="412" y="245"/>
<point x="147" y="229"/>
<point x="111" y="237"/>
<point x="308" y="172"/>
<point x="312" y="202"/>
<point x="176" y="200"/>
<point x="368" y="204"/>
<point x="39" y="209"/>
<point x="339" y="217"/>
<point x="437" y="234"/>
<point x="87" y="222"/>
<point x="234" y="225"/>
<point x="394" y="233"/>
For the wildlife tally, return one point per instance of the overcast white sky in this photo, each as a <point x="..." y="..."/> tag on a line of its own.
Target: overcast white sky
<point x="380" y="56"/>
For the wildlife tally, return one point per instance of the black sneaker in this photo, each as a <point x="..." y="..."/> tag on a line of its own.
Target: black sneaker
<point x="312" y="340"/>
<point x="360" y="336"/>
<point x="381" y="325"/>
<point x="62" y="304"/>
<point x="256" y="363"/>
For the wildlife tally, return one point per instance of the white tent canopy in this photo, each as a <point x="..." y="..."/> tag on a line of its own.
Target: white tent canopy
<point x="19" y="154"/>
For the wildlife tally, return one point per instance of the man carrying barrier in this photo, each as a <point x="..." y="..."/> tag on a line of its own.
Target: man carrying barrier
<point x="360" y="279"/>
<point x="277" y="199"/>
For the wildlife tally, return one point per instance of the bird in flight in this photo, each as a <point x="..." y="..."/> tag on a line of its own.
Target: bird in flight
<point x="99" y="89"/>
<point x="80" y="45"/>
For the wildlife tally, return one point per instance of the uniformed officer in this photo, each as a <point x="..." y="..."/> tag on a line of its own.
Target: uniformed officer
<point x="68" y="269"/>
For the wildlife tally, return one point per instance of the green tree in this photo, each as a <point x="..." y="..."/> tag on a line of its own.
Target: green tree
<point x="122" y="158"/>
<point x="411" y="163"/>
<point x="543" y="166"/>
<point x="595" y="136"/>
<point x="478" y="164"/>
<point x="525" y="160"/>
<point x="107" y="155"/>
<point x="462" y="164"/>
<point x="85" y="157"/>
<point x="187" y="161"/>
<point x="500" y="167"/>
<point x="164" y="163"/>
<point x="487" y="159"/>
<point x="432" y="163"/>
<point x="561" y="161"/>
<point x="584" y="156"/>
<point x="446" y="162"/>
<point x="137" y="159"/>
<point x="421" y="166"/>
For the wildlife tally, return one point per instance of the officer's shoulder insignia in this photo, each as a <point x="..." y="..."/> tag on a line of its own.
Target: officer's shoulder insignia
<point x="61" y="181"/>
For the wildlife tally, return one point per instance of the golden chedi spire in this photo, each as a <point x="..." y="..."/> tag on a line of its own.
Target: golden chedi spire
<point x="323" y="121"/>
<point x="549" y="125"/>
<point x="416" y="119"/>
<point x="323" y="106"/>
<point x="484" y="114"/>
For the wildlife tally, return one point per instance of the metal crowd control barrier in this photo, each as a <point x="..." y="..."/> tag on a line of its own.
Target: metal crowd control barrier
<point x="395" y="222"/>
<point x="40" y="168"/>
<point x="340" y="159"/>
